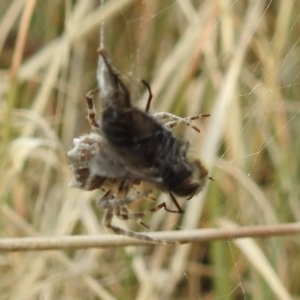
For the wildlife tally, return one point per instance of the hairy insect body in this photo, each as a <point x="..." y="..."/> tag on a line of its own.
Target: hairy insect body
<point x="145" y="145"/>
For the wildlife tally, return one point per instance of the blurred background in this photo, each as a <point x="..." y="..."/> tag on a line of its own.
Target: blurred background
<point x="237" y="60"/>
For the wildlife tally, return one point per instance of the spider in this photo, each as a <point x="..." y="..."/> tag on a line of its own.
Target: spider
<point x="129" y="146"/>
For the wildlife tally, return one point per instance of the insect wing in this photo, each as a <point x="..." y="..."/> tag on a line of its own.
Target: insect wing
<point x="111" y="89"/>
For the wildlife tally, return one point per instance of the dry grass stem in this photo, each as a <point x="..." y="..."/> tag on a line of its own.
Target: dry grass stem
<point x="236" y="60"/>
<point x="181" y="237"/>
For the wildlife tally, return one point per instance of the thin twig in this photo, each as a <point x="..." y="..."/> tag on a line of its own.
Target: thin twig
<point x="183" y="236"/>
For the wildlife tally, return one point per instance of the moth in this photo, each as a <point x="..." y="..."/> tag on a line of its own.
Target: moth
<point x="129" y="146"/>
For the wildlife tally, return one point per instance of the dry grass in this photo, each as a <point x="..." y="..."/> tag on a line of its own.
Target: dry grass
<point x="237" y="60"/>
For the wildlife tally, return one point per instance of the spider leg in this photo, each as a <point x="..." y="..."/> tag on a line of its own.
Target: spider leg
<point x="118" y="205"/>
<point x="174" y="120"/>
<point x="115" y="206"/>
<point x="118" y="199"/>
<point x="179" y="209"/>
<point x="172" y="117"/>
<point x="137" y="215"/>
<point x="122" y="202"/>
<point x="123" y="189"/>
<point x="182" y="121"/>
<point x="125" y="214"/>
<point x="127" y="200"/>
<point x="187" y="121"/>
<point x="150" y="96"/>
<point x="91" y="109"/>
<point x="107" y="222"/>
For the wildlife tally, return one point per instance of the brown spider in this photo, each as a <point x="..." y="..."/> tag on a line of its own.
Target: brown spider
<point x="129" y="146"/>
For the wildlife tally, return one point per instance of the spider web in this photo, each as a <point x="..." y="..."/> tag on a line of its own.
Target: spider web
<point x="244" y="73"/>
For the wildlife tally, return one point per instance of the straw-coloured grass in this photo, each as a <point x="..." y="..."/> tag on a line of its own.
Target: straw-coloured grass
<point x="238" y="61"/>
